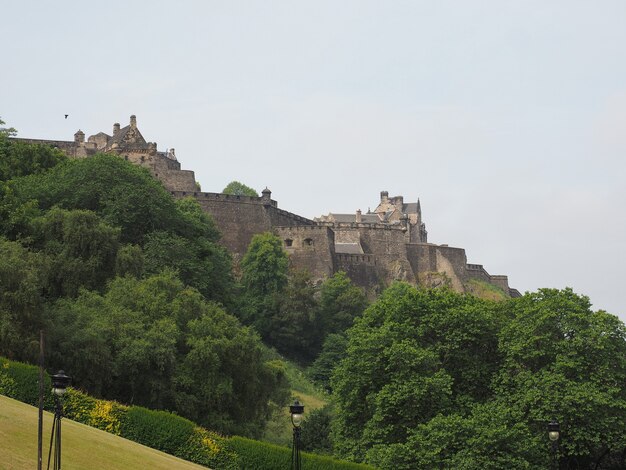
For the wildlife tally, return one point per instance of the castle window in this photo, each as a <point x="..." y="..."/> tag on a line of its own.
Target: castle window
<point x="288" y="242"/>
<point x="126" y="157"/>
<point x="308" y="242"/>
<point x="143" y="159"/>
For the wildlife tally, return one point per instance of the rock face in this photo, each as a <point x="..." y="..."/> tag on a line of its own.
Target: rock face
<point x="374" y="249"/>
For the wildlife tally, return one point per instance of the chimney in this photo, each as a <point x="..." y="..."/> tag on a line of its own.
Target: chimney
<point x="383" y="196"/>
<point x="116" y="128"/>
<point x="358" y="216"/>
<point x="133" y="121"/>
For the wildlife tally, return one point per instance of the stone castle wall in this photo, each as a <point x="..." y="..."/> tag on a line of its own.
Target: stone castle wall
<point x="311" y="248"/>
<point x="239" y="218"/>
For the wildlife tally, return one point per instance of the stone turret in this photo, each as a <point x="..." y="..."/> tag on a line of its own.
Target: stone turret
<point x="266" y="196"/>
<point x="79" y="137"/>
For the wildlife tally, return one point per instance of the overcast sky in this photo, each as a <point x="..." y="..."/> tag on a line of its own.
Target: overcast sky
<point x="506" y="118"/>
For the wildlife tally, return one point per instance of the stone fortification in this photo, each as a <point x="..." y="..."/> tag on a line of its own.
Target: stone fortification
<point x="128" y="143"/>
<point x="374" y="249"/>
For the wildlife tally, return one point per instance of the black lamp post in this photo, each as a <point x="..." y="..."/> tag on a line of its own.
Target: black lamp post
<point x="296" y="410"/>
<point x="60" y="382"/>
<point x="554" y="432"/>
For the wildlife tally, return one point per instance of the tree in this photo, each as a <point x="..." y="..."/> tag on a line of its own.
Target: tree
<point x="316" y="431"/>
<point x="22" y="312"/>
<point x="333" y="351"/>
<point x="6" y="131"/>
<point x="264" y="276"/>
<point x="340" y="303"/>
<point x="562" y="360"/>
<point x="22" y="159"/>
<point x="159" y="344"/>
<point x="81" y="249"/>
<point x="413" y="354"/>
<point x="292" y="327"/>
<point x="123" y="194"/>
<point x="236" y="188"/>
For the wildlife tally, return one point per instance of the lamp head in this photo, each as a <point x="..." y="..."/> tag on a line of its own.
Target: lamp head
<point x="60" y="382"/>
<point x="296" y="410"/>
<point x="554" y="430"/>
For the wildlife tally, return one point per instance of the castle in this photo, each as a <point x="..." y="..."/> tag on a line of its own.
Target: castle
<point x="374" y="249"/>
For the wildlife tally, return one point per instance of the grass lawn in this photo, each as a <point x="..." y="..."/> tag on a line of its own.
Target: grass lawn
<point x="83" y="447"/>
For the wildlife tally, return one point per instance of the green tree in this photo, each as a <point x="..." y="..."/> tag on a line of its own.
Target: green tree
<point x="22" y="312"/>
<point x="406" y="362"/>
<point x="123" y="194"/>
<point x="333" y="351"/>
<point x="81" y="249"/>
<point x="316" y="431"/>
<point x="264" y="276"/>
<point x="293" y="326"/>
<point x="22" y="159"/>
<point x="562" y="360"/>
<point x="236" y="188"/>
<point x="6" y="131"/>
<point x="340" y="303"/>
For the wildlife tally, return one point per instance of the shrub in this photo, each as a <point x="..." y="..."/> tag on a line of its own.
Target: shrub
<point x="21" y="382"/>
<point x="263" y="456"/>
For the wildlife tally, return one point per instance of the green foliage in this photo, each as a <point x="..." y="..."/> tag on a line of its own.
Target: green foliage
<point x="333" y="351"/>
<point x="21" y="382"/>
<point x="564" y="361"/>
<point x="292" y="329"/>
<point x="6" y="131"/>
<point x="236" y="188"/>
<point x="485" y="290"/>
<point x="316" y="431"/>
<point x="264" y="456"/>
<point x="434" y="379"/>
<point x="340" y="303"/>
<point x="222" y="381"/>
<point x="22" y="312"/>
<point x="155" y="343"/>
<point x="264" y="276"/>
<point x="80" y="247"/>
<point x="21" y="159"/>
<point x="123" y="194"/>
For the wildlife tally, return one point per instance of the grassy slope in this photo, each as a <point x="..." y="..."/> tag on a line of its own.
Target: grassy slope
<point x="278" y="430"/>
<point x="83" y="447"/>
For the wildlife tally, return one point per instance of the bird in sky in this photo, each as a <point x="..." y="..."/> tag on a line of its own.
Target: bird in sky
<point x="66" y="116"/>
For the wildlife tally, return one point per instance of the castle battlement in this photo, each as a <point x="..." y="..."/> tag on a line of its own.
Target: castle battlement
<point x="225" y="197"/>
<point x="362" y="226"/>
<point x="303" y="228"/>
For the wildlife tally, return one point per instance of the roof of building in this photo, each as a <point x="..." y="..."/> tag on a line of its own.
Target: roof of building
<point x="349" y="218"/>
<point x="349" y="248"/>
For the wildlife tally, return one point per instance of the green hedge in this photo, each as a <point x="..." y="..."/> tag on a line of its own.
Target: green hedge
<point x="21" y="382"/>
<point x="264" y="456"/>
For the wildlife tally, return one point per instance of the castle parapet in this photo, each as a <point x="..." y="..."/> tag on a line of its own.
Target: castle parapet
<point x="361" y="226"/>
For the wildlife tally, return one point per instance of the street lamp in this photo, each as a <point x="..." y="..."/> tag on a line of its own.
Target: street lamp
<point x="554" y="432"/>
<point x="60" y="382"/>
<point x="296" y="410"/>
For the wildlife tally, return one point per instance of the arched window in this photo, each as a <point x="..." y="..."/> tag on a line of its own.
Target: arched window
<point x="308" y="242"/>
<point x="288" y="242"/>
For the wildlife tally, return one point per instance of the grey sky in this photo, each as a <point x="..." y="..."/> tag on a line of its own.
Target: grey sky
<point x="506" y="118"/>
